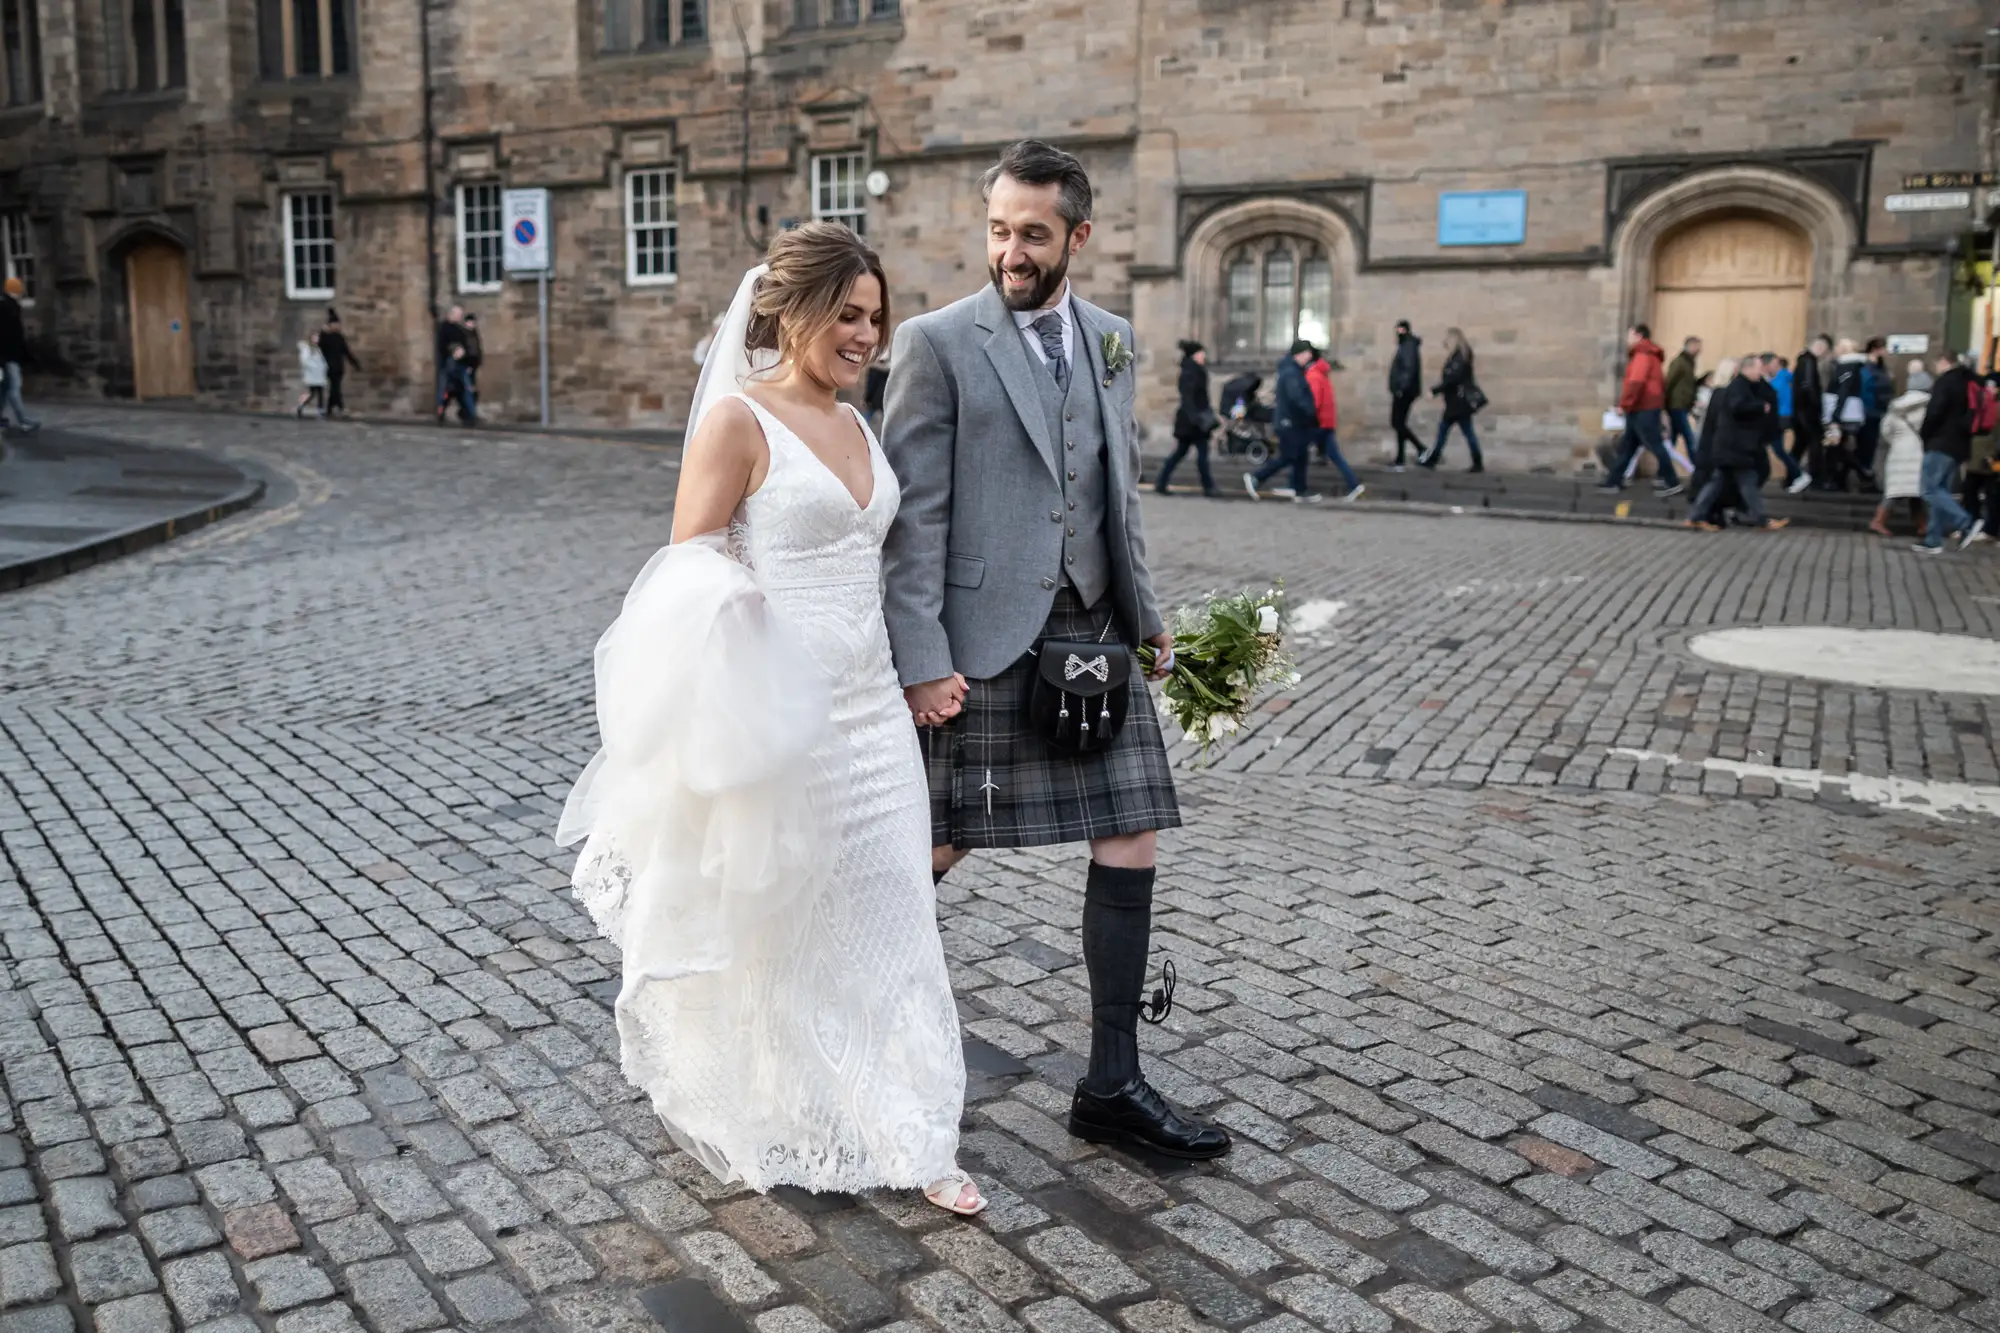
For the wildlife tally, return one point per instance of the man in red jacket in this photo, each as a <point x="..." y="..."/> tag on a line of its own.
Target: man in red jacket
<point x="1642" y="399"/>
<point x="1319" y="377"/>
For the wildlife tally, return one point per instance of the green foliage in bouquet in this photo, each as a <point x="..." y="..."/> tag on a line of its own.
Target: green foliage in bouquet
<point x="1225" y="651"/>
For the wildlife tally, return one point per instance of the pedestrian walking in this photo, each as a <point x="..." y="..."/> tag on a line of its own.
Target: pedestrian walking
<point x="1776" y="387"/>
<point x="14" y="354"/>
<point x="1194" y="420"/>
<point x="312" y="374"/>
<point x="1641" y="398"/>
<point x="1737" y="448"/>
<point x="1881" y="391"/>
<point x="1683" y="380"/>
<point x="459" y="388"/>
<point x="1982" y="472"/>
<point x="1778" y="374"/>
<point x="1809" y="412"/>
<point x="475" y="350"/>
<point x="1950" y="422"/>
<point x="1462" y="397"/>
<point x="1903" y="463"/>
<point x="1298" y="425"/>
<point x="333" y="346"/>
<point x="1319" y="378"/>
<point x="1849" y="397"/>
<point x="450" y="335"/>
<point x="1406" y="382"/>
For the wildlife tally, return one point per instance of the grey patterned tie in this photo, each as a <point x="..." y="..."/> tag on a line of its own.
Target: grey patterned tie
<point x="1049" y="328"/>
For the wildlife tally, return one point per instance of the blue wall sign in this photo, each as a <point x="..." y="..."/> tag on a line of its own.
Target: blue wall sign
<point x="1483" y="217"/>
<point x="524" y="231"/>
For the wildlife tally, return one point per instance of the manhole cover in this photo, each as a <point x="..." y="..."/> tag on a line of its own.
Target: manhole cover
<point x="1889" y="659"/>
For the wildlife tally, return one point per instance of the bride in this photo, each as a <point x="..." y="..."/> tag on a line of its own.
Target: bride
<point x="756" y="827"/>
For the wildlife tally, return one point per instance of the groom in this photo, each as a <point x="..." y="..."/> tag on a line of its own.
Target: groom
<point x="1009" y="424"/>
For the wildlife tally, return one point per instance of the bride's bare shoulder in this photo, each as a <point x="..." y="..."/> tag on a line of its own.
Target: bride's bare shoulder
<point x="729" y="430"/>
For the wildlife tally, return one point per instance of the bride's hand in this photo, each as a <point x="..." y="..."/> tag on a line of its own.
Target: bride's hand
<point x="936" y="702"/>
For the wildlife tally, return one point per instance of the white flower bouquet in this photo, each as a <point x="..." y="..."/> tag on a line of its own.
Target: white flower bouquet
<point x="1225" y="651"/>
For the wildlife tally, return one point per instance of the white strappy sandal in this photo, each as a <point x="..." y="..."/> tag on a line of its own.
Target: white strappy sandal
<point x="949" y="1194"/>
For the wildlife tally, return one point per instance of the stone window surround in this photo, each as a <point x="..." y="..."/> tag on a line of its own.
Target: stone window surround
<point x="1223" y="233"/>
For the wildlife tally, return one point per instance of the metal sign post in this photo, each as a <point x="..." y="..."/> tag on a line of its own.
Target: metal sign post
<point x="543" y="303"/>
<point x="525" y="251"/>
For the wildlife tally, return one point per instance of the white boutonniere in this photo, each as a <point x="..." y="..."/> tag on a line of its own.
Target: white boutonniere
<point x="1117" y="356"/>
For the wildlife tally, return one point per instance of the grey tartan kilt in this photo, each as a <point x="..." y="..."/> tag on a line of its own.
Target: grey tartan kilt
<point x="995" y="784"/>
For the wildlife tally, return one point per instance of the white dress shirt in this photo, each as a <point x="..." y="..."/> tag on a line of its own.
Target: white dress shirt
<point x="1025" y="319"/>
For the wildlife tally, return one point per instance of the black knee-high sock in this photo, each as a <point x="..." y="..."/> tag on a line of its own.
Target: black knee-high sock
<point x="1117" y="922"/>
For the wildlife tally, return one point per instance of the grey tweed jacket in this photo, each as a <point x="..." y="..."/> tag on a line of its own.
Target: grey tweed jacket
<point x="972" y="564"/>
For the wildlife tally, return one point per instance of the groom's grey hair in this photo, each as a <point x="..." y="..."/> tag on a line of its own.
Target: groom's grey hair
<point x="1033" y="162"/>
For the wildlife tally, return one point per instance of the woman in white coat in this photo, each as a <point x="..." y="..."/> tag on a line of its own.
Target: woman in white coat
<point x="1902" y="472"/>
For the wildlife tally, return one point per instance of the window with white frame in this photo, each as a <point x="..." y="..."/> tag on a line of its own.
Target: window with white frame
<point x="838" y="193"/>
<point x="479" y="230"/>
<point x="17" y="256"/>
<point x="652" y="229"/>
<point x="309" y="245"/>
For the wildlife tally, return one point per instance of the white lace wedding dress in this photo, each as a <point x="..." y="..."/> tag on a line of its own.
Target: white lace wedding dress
<point x="759" y="845"/>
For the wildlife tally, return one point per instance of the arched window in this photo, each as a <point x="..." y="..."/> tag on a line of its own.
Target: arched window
<point x="1276" y="289"/>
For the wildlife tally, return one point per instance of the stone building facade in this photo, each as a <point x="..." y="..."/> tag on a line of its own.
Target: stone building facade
<point x="192" y="184"/>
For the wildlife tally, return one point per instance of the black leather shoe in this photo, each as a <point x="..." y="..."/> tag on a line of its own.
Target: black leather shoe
<point x="1138" y="1116"/>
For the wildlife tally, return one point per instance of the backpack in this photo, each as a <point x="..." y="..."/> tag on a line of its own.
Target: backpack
<point x="1982" y="406"/>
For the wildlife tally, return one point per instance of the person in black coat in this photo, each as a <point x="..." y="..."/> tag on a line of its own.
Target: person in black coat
<point x="1406" y="382"/>
<point x="14" y="354"/>
<point x="1462" y="398"/>
<point x="1808" y="414"/>
<point x="450" y="335"/>
<point x="1947" y="432"/>
<point x="1194" y="420"/>
<point x="333" y="346"/>
<point x="1737" y="446"/>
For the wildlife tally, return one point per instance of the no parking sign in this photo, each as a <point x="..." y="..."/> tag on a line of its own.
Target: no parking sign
<point x="524" y="242"/>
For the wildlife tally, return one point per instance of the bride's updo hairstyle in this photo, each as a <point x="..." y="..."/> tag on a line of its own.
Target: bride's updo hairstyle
<point x="812" y="266"/>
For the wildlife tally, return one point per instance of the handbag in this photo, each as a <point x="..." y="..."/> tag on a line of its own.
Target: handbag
<point x="1473" y="397"/>
<point x="1080" y="693"/>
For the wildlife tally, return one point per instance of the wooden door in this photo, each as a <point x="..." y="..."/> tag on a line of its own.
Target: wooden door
<point x="1739" y="283"/>
<point x="156" y="276"/>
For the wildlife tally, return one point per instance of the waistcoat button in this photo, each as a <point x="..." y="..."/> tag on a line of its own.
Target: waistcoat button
<point x="1048" y="583"/>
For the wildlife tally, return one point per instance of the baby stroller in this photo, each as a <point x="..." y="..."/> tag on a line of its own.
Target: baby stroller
<point x="1246" y="423"/>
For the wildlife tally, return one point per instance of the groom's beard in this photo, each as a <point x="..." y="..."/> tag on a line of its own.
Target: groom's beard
<point x="1036" y="295"/>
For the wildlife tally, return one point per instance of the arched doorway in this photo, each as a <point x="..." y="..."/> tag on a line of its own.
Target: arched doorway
<point x="1739" y="281"/>
<point x="156" y="286"/>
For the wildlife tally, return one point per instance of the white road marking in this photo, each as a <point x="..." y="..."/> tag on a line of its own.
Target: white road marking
<point x="1916" y="794"/>
<point x="1886" y="659"/>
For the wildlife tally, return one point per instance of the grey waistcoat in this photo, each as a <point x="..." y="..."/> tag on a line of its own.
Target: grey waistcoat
<point x="1076" y="424"/>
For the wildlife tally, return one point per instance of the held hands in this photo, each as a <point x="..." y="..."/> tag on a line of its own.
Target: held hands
<point x="1163" y="656"/>
<point x="936" y="702"/>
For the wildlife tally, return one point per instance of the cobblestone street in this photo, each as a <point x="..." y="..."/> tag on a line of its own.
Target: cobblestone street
<point x="1519" y="1022"/>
